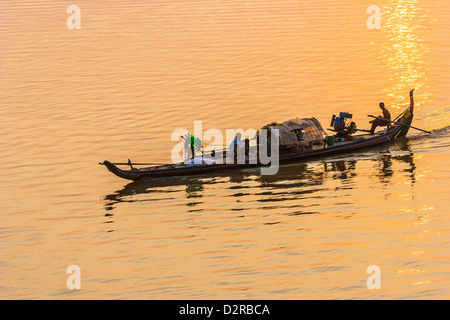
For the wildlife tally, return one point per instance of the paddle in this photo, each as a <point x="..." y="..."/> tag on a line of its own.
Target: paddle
<point x="402" y="124"/>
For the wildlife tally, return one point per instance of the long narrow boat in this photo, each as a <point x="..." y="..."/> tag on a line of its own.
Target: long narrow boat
<point x="350" y="144"/>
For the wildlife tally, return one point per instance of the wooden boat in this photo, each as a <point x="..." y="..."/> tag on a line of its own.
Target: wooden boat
<point x="399" y="128"/>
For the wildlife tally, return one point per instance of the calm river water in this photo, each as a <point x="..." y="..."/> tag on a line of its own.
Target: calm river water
<point x="137" y="70"/>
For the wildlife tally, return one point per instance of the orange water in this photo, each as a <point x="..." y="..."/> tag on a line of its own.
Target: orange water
<point x="136" y="70"/>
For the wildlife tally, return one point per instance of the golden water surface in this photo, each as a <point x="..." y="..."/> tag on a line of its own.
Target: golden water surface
<point x="137" y="70"/>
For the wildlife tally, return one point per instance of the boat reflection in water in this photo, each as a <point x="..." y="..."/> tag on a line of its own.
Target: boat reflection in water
<point x="309" y="182"/>
<point x="385" y="162"/>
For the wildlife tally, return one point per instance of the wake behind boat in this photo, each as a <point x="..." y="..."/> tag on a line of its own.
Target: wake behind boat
<point x="299" y="140"/>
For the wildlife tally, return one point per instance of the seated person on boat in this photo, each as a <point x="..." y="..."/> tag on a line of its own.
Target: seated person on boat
<point x="385" y="120"/>
<point x="381" y="121"/>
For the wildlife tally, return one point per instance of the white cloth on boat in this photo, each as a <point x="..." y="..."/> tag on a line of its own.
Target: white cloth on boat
<point x="198" y="161"/>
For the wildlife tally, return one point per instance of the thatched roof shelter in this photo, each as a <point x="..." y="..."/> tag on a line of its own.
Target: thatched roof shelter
<point x="298" y="130"/>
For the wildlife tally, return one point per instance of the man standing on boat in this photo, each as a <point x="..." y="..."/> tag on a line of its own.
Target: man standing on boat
<point x="236" y="146"/>
<point x="192" y="146"/>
